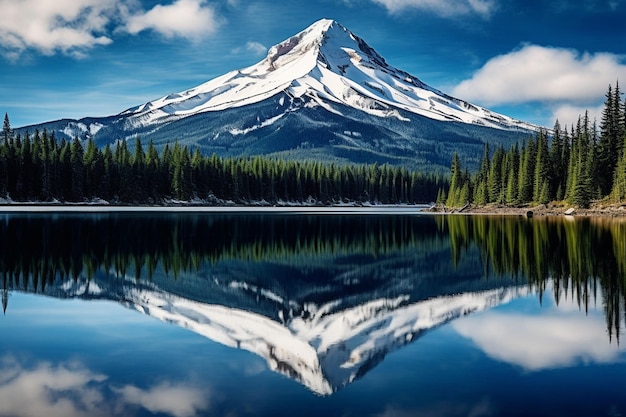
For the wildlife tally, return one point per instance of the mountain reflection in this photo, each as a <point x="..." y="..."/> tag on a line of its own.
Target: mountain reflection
<point x="323" y="299"/>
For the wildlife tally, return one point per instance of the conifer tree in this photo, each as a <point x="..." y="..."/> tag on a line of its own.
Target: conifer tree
<point x="528" y="158"/>
<point x="496" y="180"/>
<point x="481" y="191"/>
<point x="557" y="162"/>
<point x="512" y="181"/>
<point x="77" y="167"/>
<point x="7" y="132"/>
<point x="541" y="192"/>
<point x="457" y="182"/>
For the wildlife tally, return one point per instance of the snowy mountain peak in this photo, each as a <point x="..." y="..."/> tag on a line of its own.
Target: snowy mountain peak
<point x="327" y="41"/>
<point x="309" y="40"/>
<point x="324" y="88"/>
<point x="324" y="65"/>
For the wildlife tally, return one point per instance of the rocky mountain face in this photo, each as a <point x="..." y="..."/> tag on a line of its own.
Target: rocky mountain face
<point x="322" y="94"/>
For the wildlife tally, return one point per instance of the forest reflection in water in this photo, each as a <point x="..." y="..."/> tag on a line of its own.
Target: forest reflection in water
<point x="583" y="258"/>
<point x="468" y="305"/>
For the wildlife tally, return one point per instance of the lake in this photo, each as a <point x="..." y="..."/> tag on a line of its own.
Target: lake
<point x="311" y="314"/>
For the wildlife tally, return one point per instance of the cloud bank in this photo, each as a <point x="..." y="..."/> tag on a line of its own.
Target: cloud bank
<point x="537" y="73"/>
<point x="184" y="18"/>
<point x="540" y="342"/>
<point x="570" y="82"/>
<point x="72" y="390"/>
<point x="73" y="27"/>
<point x="54" y="26"/>
<point x="443" y="8"/>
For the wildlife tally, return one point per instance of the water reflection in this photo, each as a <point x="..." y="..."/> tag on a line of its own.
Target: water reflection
<point x="72" y="390"/>
<point x="583" y="258"/>
<point x="560" y="337"/>
<point x="323" y="299"/>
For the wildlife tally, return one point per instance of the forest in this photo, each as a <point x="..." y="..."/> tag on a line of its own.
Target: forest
<point x="40" y="168"/>
<point x="578" y="166"/>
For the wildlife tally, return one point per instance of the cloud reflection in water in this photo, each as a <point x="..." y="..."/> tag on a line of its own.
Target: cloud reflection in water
<point x="72" y="390"/>
<point x="558" y="338"/>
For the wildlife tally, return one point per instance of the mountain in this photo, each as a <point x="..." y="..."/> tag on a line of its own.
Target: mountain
<point x="323" y="345"/>
<point x="323" y="93"/>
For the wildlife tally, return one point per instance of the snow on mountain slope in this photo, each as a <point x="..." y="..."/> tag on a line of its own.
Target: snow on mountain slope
<point x="325" y="64"/>
<point x="326" y="347"/>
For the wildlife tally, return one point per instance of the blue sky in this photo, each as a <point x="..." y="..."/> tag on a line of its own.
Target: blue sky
<point x="530" y="59"/>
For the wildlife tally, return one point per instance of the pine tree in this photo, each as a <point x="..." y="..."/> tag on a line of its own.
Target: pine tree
<point x="6" y="156"/>
<point x="7" y="132"/>
<point x="541" y="192"/>
<point x="528" y="158"/>
<point x="139" y="182"/>
<point x="153" y="168"/>
<point x="481" y="190"/>
<point x="611" y="133"/>
<point x="456" y="182"/>
<point x="496" y="182"/>
<point x="618" y="193"/>
<point x="76" y="163"/>
<point x="581" y="183"/>
<point x="557" y="163"/>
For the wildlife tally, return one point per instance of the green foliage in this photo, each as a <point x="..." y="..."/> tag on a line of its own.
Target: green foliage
<point x="40" y="169"/>
<point x="578" y="167"/>
<point x="459" y="192"/>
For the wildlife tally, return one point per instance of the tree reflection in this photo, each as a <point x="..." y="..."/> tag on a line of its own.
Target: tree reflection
<point x="584" y="258"/>
<point x="37" y="250"/>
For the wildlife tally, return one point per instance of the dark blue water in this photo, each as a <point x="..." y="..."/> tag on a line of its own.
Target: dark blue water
<point x="281" y="315"/>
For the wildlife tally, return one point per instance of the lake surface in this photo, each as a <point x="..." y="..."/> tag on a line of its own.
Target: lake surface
<point x="304" y="314"/>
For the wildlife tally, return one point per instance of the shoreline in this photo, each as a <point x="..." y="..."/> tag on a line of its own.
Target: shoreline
<point x="78" y="208"/>
<point x="541" y="210"/>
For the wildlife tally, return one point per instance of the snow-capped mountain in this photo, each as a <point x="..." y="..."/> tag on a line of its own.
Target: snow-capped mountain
<point x="323" y="345"/>
<point x="323" y="92"/>
<point x="327" y="64"/>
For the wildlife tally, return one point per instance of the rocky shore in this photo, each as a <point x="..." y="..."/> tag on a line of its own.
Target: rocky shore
<point x="552" y="209"/>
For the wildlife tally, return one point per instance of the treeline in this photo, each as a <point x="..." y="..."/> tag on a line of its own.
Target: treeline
<point x="583" y="164"/>
<point x="41" y="168"/>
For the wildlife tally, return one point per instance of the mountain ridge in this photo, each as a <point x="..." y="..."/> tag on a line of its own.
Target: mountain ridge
<point x="324" y="89"/>
<point x="317" y="62"/>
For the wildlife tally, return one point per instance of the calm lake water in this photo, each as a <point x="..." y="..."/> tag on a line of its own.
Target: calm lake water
<point x="311" y="315"/>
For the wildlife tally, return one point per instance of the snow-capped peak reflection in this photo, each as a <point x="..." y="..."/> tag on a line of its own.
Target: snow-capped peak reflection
<point x="334" y="345"/>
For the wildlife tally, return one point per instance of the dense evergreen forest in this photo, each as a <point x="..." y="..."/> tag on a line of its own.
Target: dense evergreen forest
<point x="40" y="168"/>
<point x="578" y="166"/>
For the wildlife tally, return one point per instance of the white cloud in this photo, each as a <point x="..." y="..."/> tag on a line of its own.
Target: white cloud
<point x="71" y="390"/>
<point x="255" y="48"/>
<point x="185" y="18"/>
<point x="47" y="390"/>
<point x="541" y="342"/>
<point x="445" y="8"/>
<point x="568" y="114"/>
<point x="538" y="73"/>
<point x="75" y="26"/>
<point x="178" y="401"/>
<point x="68" y="26"/>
